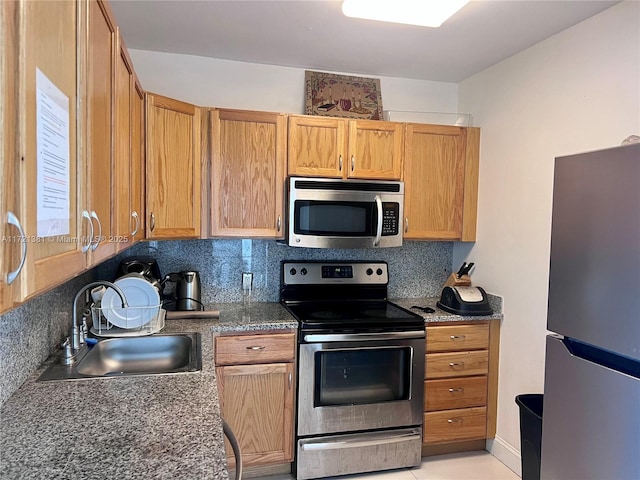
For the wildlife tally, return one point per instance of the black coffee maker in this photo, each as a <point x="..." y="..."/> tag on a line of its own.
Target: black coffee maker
<point x="145" y="266"/>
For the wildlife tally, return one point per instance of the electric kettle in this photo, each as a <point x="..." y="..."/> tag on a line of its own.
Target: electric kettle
<point x="187" y="290"/>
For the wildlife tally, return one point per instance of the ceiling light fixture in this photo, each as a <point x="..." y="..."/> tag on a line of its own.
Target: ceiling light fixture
<point x="425" y="13"/>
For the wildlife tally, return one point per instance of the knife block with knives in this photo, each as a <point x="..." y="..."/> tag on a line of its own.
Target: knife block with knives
<point x="459" y="297"/>
<point x="461" y="278"/>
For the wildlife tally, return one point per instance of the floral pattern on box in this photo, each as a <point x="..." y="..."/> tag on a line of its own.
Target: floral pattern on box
<point x="332" y="95"/>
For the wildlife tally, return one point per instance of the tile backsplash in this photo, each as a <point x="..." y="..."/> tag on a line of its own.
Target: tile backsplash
<point x="32" y="331"/>
<point x="417" y="269"/>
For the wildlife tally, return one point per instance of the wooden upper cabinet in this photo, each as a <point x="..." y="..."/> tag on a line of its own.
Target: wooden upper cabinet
<point x="335" y="147"/>
<point x="12" y="243"/>
<point x="47" y="143"/>
<point x="98" y="48"/>
<point x="440" y="175"/>
<point x="122" y="172"/>
<point x="317" y="146"/>
<point x="137" y="208"/>
<point x="247" y="173"/>
<point x="375" y="150"/>
<point x="173" y="166"/>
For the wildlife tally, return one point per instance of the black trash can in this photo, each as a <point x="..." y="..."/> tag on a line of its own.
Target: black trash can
<point x="530" y="434"/>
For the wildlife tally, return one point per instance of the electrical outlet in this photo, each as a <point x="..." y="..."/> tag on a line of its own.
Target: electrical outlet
<point x="247" y="280"/>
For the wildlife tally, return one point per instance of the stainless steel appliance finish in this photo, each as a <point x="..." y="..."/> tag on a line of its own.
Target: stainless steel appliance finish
<point x="358" y="453"/>
<point x="116" y="357"/>
<point x="379" y="382"/>
<point x="591" y="419"/>
<point x="188" y="293"/>
<point x="332" y="213"/>
<point x="360" y="369"/>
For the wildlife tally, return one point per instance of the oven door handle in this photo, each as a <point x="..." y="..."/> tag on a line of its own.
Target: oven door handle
<point x="364" y="337"/>
<point x="376" y="241"/>
<point x="357" y="443"/>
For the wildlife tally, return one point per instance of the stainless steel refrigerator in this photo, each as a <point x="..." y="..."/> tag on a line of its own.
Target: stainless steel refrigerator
<point x="591" y="411"/>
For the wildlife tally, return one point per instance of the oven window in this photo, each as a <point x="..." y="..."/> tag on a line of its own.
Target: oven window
<point x="356" y="377"/>
<point x="335" y="218"/>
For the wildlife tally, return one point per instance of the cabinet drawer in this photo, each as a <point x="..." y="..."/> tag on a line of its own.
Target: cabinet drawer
<point x="243" y="349"/>
<point x="458" y="364"/>
<point x="455" y="393"/>
<point x="455" y="425"/>
<point x="457" y="337"/>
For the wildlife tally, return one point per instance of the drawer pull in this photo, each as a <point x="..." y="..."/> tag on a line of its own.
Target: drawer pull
<point x="454" y="420"/>
<point x="453" y="390"/>
<point x="256" y="347"/>
<point x="456" y="364"/>
<point x="457" y="337"/>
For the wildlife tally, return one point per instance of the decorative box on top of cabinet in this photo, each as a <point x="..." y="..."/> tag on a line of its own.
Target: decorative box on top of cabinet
<point x="460" y="388"/>
<point x="335" y="147"/>
<point x="256" y="383"/>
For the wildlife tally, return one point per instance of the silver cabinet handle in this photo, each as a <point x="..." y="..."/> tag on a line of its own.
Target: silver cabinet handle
<point x="97" y="239"/>
<point x="456" y="364"/>
<point x="353" y="162"/>
<point x="376" y="241"/>
<point x="86" y="215"/>
<point x="406" y="224"/>
<point x="457" y="337"/>
<point x="152" y="221"/>
<point x="257" y="347"/>
<point x="279" y="223"/>
<point x="454" y="420"/>
<point x="340" y="163"/>
<point x="13" y="220"/>
<point x="135" y="216"/>
<point x="453" y="390"/>
<point x="290" y="380"/>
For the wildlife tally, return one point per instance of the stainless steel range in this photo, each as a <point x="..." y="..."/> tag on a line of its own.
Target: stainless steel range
<point x="360" y="370"/>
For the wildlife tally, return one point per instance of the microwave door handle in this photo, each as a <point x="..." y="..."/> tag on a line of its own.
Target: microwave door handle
<point x="376" y="242"/>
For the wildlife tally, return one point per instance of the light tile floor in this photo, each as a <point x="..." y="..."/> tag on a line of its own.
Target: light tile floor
<point x="457" y="466"/>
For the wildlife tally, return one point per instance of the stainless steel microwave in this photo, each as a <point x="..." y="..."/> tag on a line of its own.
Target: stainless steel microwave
<point x="331" y="213"/>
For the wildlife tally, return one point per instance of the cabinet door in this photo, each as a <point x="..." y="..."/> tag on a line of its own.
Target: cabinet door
<point x="317" y="146"/>
<point x="257" y="403"/>
<point x="48" y="102"/>
<point x="434" y="168"/>
<point x="122" y="187"/>
<point x="247" y="173"/>
<point x="375" y="150"/>
<point x="12" y="242"/>
<point x="97" y="64"/>
<point x="173" y="167"/>
<point x="137" y="161"/>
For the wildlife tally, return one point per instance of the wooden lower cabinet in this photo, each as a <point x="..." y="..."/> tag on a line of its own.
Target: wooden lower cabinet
<point x="460" y="387"/>
<point x="257" y="399"/>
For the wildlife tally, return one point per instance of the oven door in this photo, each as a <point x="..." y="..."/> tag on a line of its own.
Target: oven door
<point x="355" y="382"/>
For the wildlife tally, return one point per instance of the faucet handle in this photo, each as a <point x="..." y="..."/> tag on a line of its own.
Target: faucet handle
<point x="68" y="355"/>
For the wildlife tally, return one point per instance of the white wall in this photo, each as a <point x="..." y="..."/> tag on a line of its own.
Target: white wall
<point x="212" y="82"/>
<point x="577" y="91"/>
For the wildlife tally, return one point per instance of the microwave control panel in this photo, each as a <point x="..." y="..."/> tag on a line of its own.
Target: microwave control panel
<point x="390" y="218"/>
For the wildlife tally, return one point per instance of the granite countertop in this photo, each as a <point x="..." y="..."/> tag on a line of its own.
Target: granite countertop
<point x="138" y="427"/>
<point x="442" y="316"/>
<point x="237" y="317"/>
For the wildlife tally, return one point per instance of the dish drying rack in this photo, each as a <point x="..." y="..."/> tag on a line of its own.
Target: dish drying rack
<point x="131" y="321"/>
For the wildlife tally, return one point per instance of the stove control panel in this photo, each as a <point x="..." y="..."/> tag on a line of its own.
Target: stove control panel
<point x="338" y="272"/>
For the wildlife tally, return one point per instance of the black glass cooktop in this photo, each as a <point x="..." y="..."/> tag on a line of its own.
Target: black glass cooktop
<point x="352" y="314"/>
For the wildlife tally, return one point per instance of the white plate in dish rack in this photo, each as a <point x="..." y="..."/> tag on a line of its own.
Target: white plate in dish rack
<point x="140" y="294"/>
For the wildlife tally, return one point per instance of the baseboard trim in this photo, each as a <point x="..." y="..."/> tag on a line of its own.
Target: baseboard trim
<point x="506" y="453"/>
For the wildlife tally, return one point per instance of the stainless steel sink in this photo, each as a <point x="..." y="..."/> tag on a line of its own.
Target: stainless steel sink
<point x="115" y="357"/>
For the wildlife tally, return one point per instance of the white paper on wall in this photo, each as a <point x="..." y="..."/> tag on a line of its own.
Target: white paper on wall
<point x="52" y="158"/>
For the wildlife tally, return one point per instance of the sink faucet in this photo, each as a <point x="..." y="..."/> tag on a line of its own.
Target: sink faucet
<point x="72" y="344"/>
